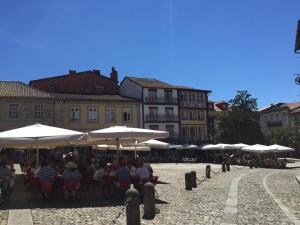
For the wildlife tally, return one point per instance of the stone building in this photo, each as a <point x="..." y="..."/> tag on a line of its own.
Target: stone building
<point x="281" y="116"/>
<point x="22" y="105"/>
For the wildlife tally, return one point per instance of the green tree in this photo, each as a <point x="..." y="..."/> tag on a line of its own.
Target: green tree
<point x="284" y="137"/>
<point x="241" y="123"/>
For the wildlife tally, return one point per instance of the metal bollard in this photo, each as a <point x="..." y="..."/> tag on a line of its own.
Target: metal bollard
<point x="223" y="167"/>
<point x="132" y="197"/>
<point x="228" y="166"/>
<point x="207" y="171"/>
<point x="149" y="201"/>
<point x="188" y="183"/>
<point x="194" y="179"/>
<point x="251" y="164"/>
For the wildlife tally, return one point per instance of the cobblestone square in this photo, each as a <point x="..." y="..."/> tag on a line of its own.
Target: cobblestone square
<point x="212" y="202"/>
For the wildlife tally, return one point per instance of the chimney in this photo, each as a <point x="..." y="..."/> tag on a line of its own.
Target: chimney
<point x="72" y="72"/>
<point x="114" y="74"/>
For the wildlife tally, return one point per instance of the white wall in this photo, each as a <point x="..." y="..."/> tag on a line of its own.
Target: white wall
<point x="130" y="89"/>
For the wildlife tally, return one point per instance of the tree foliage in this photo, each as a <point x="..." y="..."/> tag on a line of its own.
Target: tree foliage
<point x="241" y="123"/>
<point x="284" y="137"/>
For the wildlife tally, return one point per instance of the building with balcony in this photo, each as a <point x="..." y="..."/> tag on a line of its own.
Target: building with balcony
<point x="280" y="116"/>
<point x="182" y="111"/>
<point x="159" y="103"/>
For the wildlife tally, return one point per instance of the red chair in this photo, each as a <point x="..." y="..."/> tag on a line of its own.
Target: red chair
<point x="124" y="185"/>
<point x="71" y="185"/>
<point x="46" y="186"/>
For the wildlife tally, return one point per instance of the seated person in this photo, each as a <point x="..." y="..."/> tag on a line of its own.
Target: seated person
<point x="5" y="173"/>
<point x="46" y="172"/>
<point x="71" y="176"/>
<point x="71" y="172"/>
<point x="99" y="173"/>
<point x="123" y="172"/>
<point x="131" y="168"/>
<point x="142" y="171"/>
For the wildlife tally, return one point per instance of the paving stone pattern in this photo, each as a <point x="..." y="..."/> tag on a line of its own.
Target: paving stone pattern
<point x="203" y="205"/>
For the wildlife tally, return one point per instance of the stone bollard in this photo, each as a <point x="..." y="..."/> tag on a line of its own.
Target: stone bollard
<point x="223" y="167"/>
<point x="194" y="179"/>
<point x="132" y="197"/>
<point x="228" y="166"/>
<point x="207" y="171"/>
<point x="149" y="200"/>
<point x="188" y="182"/>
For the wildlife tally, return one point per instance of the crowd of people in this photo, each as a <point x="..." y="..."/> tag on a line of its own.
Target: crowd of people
<point x="71" y="172"/>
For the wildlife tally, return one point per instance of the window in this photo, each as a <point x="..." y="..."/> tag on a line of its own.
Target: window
<point x="13" y="111"/>
<point x="153" y="127"/>
<point x="168" y="94"/>
<point x="169" y="112"/>
<point x="153" y="111"/>
<point x="92" y="114"/>
<point x="200" y="115"/>
<point x="152" y="93"/>
<point x="110" y="114"/>
<point x="74" y="113"/>
<point x="127" y="114"/>
<point x="170" y="129"/>
<point x="184" y="114"/>
<point x="38" y="111"/>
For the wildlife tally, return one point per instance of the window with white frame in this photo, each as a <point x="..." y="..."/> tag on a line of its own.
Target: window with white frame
<point x="127" y="114"/>
<point x="110" y="114"/>
<point x="74" y="113"/>
<point x="92" y="114"/>
<point x="13" y="111"/>
<point x="38" y="111"/>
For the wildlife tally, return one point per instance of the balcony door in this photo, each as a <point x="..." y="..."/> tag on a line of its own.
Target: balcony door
<point x="168" y="96"/>
<point x="153" y="113"/>
<point x="170" y="129"/>
<point x="169" y="112"/>
<point x="152" y="93"/>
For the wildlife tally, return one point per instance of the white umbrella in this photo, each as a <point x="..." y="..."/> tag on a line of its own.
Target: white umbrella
<point x="259" y="149"/>
<point x="123" y="134"/>
<point x="226" y="146"/>
<point x="210" y="147"/>
<point x="153" y="144"/>
<point x="240" y="145"/>
<point x="105" y="147"/>
<point x="187" y="146"/>
<point x="281" y="148"/>
<point x="38" y="135"/>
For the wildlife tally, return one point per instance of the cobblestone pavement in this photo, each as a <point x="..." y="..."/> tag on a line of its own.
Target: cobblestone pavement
<point x="203" y="205"/>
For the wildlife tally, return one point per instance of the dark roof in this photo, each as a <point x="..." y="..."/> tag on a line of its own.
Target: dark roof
<point x="68" y="74"/>
<point x="93" y="97"/>
<point x="154" y="83"/>
<point x="19" y="89"/>
<point x="149" y="82"/>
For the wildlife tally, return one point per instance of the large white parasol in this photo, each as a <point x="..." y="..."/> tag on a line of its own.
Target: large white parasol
<point x="38" y="136"/>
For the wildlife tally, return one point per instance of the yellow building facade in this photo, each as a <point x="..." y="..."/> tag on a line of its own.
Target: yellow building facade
<point x="91" y="112"/>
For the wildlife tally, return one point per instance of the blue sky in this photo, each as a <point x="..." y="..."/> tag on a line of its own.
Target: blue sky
<point x="223" y="46"/>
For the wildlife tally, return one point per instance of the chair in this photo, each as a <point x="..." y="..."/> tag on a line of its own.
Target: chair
<point x="72" y="186"/>
<point x="46" y="187"/>
<point x="124" y="185"/>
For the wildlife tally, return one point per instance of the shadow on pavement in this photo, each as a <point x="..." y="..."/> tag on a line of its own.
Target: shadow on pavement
<point x="22" y="198"/>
